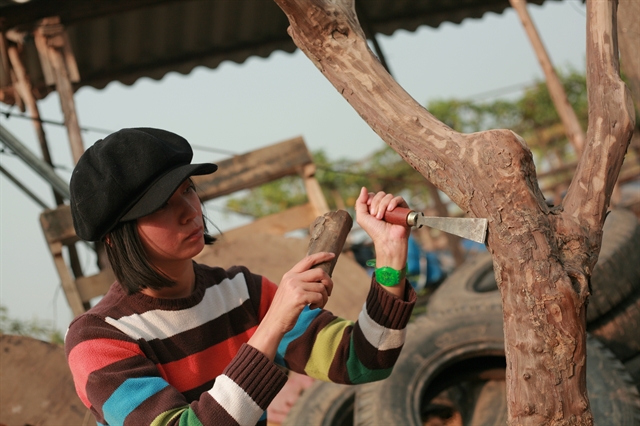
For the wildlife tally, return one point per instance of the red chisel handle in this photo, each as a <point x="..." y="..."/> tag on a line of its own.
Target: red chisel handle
<point x="399" y="216"/>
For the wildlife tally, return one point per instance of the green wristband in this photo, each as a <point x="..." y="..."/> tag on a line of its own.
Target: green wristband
<point x="388" y="276"/>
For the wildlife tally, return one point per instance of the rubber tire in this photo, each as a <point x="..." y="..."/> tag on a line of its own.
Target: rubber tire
<point x="438" y="349"/>
<point x="619" y="330"/>
<point x="491" y="404"/>
<point x="633" y="368"/>
<point x="323" y="404"/>
<point x="470" y="287"/>
<point x="613" y="396"/>
<point x="615" y="276"/>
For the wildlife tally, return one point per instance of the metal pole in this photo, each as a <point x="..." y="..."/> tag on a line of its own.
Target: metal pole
<point x="26" y="190"/>
<point x="38" y="165"/>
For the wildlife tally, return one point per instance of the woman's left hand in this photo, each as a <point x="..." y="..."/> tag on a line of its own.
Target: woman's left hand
<point x="390" y="240"/>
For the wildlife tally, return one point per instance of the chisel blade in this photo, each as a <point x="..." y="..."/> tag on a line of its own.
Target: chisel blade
<point x="474" y="229"/>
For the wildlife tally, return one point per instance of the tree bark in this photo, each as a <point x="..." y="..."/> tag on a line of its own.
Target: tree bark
<point x="328" y="233"/>
<point x="543" y="257"/>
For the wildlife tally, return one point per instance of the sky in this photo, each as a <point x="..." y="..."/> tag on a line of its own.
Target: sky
<point x="243" y="107"/>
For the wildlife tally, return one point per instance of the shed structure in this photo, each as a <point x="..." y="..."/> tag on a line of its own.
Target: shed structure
<point x="122" y="40"/>
<point x="65" y="45"/>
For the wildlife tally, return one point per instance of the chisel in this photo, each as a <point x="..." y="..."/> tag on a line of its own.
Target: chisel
<point x="470" y="228"/>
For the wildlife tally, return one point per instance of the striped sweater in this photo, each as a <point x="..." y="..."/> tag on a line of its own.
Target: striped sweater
<point x="139" y="360"/>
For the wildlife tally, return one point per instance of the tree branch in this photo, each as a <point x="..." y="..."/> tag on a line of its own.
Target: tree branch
<point x="542" y="258"/>
<point x="329" y="34"/>
<point x="611" y="122"/>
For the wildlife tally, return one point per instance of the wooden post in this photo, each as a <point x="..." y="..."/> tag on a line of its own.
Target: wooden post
<point x="24" y="89"/>
<point x="59" y="68"/>
<point x="574" y="131"/>
<point x="10" y="75"/>
<point x="68" y="284"/>
<point x="4" y="63"/>
<point x="314" y="192"/>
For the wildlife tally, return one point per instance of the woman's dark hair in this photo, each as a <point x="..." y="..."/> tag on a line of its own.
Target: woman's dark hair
<point x="130" y="263"/>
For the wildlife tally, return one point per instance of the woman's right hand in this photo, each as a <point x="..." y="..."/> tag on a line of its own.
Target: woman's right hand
<point x="301" y="286"/>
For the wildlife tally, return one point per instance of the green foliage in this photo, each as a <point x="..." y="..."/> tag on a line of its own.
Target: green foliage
<point x="532" y="116"/>
<point x="340" y="181"/>
<point x="390" y="173"/>
<point x="385" y="170"/>
<point x="35" y="328"/>
<point x="270" y="198"/>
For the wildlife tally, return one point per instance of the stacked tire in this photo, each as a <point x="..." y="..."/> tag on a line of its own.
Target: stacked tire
<point x="452" y="368"/>
<point x="323" y="404"/>
<point x="452" y="371"/>
<point x="613" y="312"/>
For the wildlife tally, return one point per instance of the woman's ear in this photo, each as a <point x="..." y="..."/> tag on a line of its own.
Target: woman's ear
<point x="107" y="240"/>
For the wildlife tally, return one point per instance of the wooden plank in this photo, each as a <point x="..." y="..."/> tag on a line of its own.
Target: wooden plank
<point x="25" y="90"/>
<point x="40" y="41"/>
<point x="5" y="76"/>
<point x="254" y="168"/>
<point x="629" y="171"/>
<point x="70" y="59"/>
<point x="316" y="196"/>
<point x="298" y="217"/>
<point x="68" y="284"/>
<point x="314" y="191"/>
<point x="57" y="225"/>
<point x="67" y="102"/>
<point x="50" y="37"/>
<point x="95" y="285"/>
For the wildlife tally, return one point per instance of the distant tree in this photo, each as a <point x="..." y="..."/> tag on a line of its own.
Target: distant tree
<point x="270" y="198"/>
<point x="340" y="180"/>
<point x="532" y="115"/>
<point x="35" y="328"/>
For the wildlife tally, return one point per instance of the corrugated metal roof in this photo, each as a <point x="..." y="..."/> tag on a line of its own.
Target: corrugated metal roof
<point x="126" y="40"/>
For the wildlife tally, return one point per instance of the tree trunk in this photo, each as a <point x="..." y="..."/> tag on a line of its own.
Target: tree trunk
<point x="542" y="258"/>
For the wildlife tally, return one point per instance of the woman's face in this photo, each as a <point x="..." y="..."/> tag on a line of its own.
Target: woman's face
<point x="176" y="231"/>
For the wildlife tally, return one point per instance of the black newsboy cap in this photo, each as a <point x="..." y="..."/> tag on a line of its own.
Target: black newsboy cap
<point x="127" y="175"/>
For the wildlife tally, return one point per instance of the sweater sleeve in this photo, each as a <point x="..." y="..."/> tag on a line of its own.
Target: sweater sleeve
<point x="122" y="386"/>
<point x="329" y="348"/>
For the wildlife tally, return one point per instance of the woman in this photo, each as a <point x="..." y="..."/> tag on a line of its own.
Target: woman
<point x="176" y="342"/>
